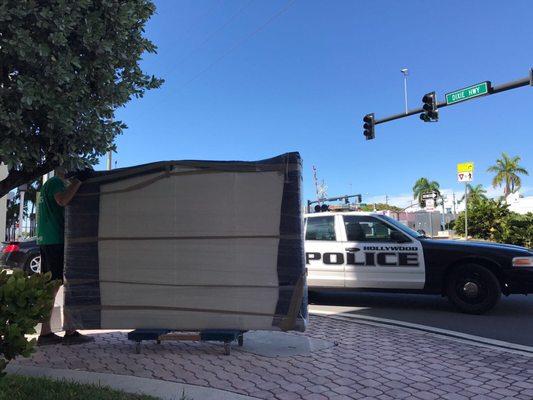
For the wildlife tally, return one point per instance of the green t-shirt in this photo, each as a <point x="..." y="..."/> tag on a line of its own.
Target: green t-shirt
<point x="50" y="215"/>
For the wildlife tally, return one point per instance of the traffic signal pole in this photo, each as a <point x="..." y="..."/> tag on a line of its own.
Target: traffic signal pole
<point x="528" y="81"/>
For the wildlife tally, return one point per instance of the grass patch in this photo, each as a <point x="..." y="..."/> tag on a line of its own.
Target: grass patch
<point x="15" y="387"/>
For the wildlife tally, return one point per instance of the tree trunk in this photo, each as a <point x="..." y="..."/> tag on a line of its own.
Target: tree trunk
<point x="17" y="178"/>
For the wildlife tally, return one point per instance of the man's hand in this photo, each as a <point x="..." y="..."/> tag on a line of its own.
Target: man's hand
<point x="83" y="175"/>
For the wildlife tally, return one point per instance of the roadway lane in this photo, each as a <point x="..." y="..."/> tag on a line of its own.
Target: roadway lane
<point x="511" y="320"/>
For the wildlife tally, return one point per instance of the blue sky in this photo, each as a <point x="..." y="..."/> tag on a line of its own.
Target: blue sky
<point x="305" y="80"/>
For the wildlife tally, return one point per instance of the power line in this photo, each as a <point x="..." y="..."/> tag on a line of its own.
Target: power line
<point x="201" y="17"/>
<point x="215" y="32"/>
<point x="276" y="15"/>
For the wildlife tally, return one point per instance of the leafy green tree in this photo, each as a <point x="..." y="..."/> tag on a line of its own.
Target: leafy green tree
<point x="507" y="170"/>
<point x="475" y="192"/>
<point x="487" y="219"/>
<point x="424" y="185"/>
<point x="65" y="66"/>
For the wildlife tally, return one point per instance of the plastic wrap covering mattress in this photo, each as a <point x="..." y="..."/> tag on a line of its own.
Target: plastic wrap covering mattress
<point x="188" y="245"/>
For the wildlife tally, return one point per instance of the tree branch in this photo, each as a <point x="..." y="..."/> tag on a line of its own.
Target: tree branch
<point x="17" y="178"/>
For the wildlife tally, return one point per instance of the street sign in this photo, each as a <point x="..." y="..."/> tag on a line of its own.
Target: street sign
<point x="465" y="167"/>
<point x="468" y="93"/>
<point x="429" y="195"/>
<point x="465" y="176"/>
<point x="465" y="171"/>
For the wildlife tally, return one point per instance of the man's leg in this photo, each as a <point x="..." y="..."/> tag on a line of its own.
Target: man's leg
<point x="46" y="326"/>
<point x="46" y="336"/>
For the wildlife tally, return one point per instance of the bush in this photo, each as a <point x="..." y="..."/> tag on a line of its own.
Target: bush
<point x="486" y="219"/>
<point x="24" y="302"/>
<point x="491" y="220"/>
<point x="519" y="230"/>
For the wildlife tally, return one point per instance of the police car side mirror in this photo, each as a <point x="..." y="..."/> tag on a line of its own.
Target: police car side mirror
<point x="398" y="237"/>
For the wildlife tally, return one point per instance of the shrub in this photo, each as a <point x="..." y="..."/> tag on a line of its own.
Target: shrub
<point x="519" y="230"/>
<point x="24" y="302"/>
<point x="491" y="220"/>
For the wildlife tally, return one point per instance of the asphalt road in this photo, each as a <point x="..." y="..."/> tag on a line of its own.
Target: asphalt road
<point x="510" y="321"/>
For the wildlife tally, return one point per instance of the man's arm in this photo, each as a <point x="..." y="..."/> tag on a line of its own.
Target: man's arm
<point x="63" y="198"/>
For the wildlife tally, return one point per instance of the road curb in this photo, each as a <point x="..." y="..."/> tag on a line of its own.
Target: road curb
<point x="458" y="336"/>
<point x="166" y="390"/>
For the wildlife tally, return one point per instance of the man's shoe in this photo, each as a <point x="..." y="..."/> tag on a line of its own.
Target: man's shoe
<point x="51" y="338"/>
<point x="76" y="338"/>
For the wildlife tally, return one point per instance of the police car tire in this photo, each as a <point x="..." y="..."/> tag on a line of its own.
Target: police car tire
<point x="487" y="283"/>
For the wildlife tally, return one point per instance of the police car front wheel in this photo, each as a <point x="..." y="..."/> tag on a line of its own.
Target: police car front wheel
<point x="473" y="289"/>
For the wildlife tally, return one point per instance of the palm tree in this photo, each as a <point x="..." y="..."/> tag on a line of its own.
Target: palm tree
<point x="424" y="185"/>
<point x="477" y="192"/>
<point x="507" y="170"/>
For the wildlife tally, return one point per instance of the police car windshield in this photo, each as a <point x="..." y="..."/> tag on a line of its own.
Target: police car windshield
<point x="402" y="227"/>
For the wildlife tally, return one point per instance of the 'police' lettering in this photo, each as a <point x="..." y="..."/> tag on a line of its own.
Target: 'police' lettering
<point x="382" y="259"/>
<point x="339" y="258"/>
<point x="350" y="260"/>
<point x="409" y="259"/>
<point x="311" y="256"/>
<point x="371" y="259"/>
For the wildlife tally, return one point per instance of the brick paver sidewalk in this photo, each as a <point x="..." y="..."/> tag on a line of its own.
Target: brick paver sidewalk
<point x="369" y="362"/>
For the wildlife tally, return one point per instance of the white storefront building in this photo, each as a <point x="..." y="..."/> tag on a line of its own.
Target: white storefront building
<point x="520" y="204"/>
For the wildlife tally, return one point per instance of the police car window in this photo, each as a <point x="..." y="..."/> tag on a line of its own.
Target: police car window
<point x="367" y="229"/>
<point x="320" y="228"/>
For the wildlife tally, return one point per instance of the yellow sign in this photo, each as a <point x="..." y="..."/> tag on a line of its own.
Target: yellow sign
<point x="465" y="167"/>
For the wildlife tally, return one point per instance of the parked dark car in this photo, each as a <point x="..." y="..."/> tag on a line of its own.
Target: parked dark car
<point x="23" y="254"/>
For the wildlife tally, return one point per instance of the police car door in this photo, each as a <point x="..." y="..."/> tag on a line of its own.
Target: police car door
<point x="380" y="256"/>
<point x="325" y="265"/>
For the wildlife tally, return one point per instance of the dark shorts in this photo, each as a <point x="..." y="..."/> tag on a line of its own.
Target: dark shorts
<point x="52" y="256"/>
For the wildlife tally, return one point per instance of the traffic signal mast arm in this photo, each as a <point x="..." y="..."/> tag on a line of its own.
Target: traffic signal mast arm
<point x="493" y="90"/>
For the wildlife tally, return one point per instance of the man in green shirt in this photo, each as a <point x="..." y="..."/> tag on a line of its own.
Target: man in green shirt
<point x="55" y="195"/>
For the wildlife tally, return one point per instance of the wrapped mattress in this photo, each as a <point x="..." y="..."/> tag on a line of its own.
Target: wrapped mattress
<point x="187" y="245"/>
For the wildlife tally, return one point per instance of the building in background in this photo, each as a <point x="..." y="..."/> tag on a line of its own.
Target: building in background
<point x="520" y="204"/>
<point x="3" y="205"/>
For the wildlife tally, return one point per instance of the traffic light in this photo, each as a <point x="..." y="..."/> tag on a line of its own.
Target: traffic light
<point x="368" y="126"/>
<point x="431" y="113"/>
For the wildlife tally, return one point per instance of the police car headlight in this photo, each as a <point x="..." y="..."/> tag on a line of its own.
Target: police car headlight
<point x="523" y="262"/>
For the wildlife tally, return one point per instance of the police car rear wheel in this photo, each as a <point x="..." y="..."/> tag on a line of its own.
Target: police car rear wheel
<point x="473" y="289"/>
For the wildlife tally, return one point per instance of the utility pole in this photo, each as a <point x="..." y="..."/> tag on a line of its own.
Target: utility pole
<point x="466" y="211"/>
<point x="22" y="192"/>
<point x="109" y="160"/>
<point x="405" y="73"/>
<point x="442" y="198"/>
<point x="320" y="187"/>
<point x="454" y="213"/>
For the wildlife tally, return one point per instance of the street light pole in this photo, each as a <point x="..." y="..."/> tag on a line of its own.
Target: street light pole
<point x="405" y="73"/>
<point x="109" y="160"/>
<point x="466" y="211"/>
<point x="22" y="191"/>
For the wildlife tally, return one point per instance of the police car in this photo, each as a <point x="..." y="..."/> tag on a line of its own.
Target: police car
<point x="375" y="252"/>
